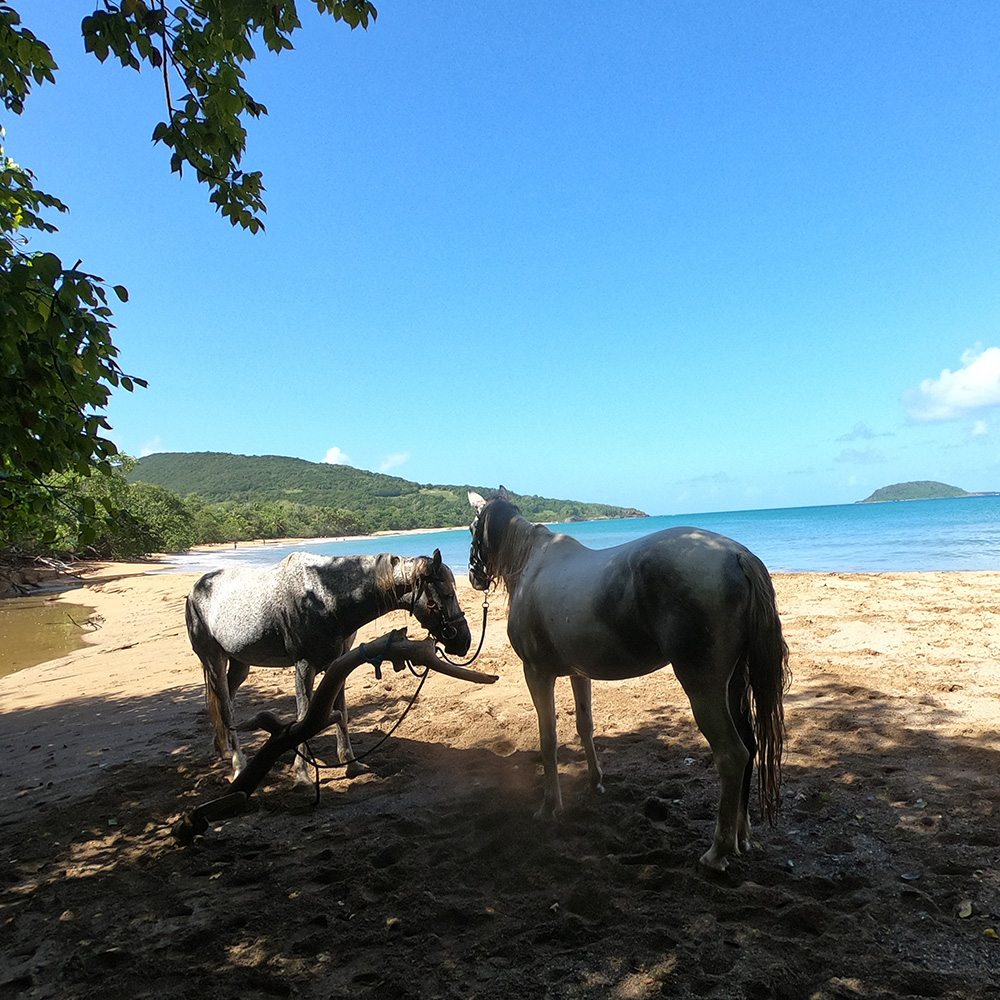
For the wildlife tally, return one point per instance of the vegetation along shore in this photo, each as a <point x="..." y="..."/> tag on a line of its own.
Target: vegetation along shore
<point x="174" y="501"/>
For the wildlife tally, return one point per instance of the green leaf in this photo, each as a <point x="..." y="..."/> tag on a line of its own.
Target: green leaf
<point x="48" y="266"/>
<point x="122" y="292"/>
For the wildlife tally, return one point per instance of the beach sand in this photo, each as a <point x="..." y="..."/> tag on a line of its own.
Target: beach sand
<point x="428" y="876"/>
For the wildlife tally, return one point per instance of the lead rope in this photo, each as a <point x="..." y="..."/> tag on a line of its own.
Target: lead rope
<point x="482" y="638"/>
<point x="310" y="758"/>
<point x="376" y="660"/>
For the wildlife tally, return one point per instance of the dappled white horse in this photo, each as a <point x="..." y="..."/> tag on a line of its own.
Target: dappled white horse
<point x="304" y="612"/>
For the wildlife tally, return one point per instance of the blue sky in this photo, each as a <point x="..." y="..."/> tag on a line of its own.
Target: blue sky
<point x="680" y="256"/>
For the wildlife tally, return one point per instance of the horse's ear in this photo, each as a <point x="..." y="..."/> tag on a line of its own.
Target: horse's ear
<point x="436" y="561"/>
<point x="478" y="502"/>
<point x="503" y="494"/>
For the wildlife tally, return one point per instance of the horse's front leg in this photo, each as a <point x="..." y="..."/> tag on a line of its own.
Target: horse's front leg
<point x="585" y="727"/>
<point x="344" y="749"/>
<point x="543" y="694"/>
<point x="345" y="752"/>
<point x="305" y="674"/>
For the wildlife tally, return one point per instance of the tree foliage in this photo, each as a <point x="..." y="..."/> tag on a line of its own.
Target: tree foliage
<point x="169" y="502"/>
<point x="201" y="47"/>
<point x="105" y="516"/>
<point x="58" y="362"/>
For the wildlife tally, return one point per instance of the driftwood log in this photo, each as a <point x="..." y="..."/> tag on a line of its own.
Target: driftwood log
<point x="393" y="647"/>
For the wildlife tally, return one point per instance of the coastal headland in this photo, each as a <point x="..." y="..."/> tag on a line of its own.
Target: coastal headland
<point x="428" y="876"/>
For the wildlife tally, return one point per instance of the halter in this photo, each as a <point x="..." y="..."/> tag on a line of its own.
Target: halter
<point x="447" y="628"/>
<point x="477" y="564"/>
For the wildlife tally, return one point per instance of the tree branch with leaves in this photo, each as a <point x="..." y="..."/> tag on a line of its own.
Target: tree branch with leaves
<point x="205" y="47"/>
<point x="58" y="362"/>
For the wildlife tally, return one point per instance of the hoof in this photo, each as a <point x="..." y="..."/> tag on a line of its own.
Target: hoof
<point x="714" y="861"/>
<point x="355" y="769"/>
<point x="547" y="815"/>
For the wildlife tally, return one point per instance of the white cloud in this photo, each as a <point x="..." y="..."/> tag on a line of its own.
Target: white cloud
<point x="151" y="447"/>
<point x="870" y="456"/>
<point x="980" y="428"/>
<point x="391" y="461"/>
<point x="708" y="479"/>
<point x="862" y="432"/>
<point x="951" y="395"/>
<point x="335" y="456"/>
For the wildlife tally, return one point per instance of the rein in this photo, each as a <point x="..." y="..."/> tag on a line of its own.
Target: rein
<point x="482" y="638"/>
<point x="376" y="659"/>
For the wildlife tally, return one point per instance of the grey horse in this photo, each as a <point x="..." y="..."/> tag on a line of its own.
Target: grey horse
<point x="305" y="612"/>
<point x="694" y="599"/>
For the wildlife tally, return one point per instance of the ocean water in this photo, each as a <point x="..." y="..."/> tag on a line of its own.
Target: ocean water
<point x="962" y="534"/>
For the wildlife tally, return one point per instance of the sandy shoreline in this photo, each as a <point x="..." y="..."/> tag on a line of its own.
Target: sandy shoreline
<point x="891" y="770"/>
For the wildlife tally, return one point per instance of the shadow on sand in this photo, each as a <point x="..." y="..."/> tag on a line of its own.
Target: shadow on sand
<point x="429" y="877"/>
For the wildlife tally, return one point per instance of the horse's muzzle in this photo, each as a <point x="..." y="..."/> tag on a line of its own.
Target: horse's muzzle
<point x="455" y="636"/>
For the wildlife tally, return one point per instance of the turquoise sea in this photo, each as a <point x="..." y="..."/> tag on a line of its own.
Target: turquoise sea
<point x="961" y="534"/>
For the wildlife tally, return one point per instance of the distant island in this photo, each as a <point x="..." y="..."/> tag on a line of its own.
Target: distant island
<point x="921" y="490"/>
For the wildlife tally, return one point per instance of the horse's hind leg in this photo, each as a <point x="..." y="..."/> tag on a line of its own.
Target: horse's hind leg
<point x="236" y="674"/>
<point x="585" y="727"/>
<point x="305" y="674"/>
<point x="708" y="693"/>
<point x="739" y="710"/>
<point x="219" y="688"/>
<point x="220" y="705"/>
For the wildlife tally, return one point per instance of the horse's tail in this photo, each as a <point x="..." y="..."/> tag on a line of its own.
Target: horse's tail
<point x="768" y="678"/>
<point x="214" y="669"/>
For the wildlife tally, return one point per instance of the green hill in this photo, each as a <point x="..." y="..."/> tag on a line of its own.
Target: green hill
<point x="921" y="490"/>
<point x="383" y="502"/>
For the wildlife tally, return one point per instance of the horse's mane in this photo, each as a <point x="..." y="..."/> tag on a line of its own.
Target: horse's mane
<point x="385" y="574"/>
<point x="510" y="540"/>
